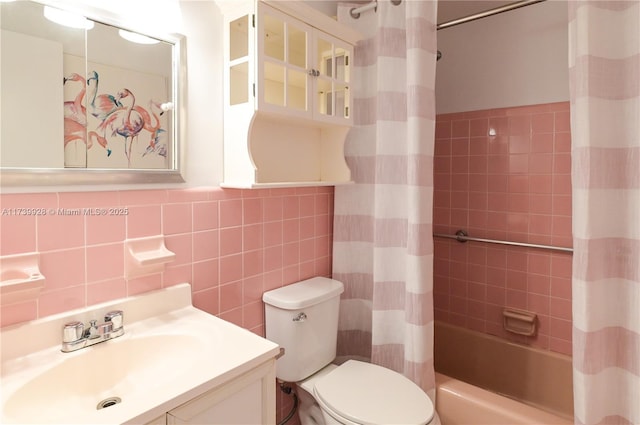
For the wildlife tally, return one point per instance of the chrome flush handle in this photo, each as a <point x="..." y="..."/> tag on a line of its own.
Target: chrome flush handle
<point x="301" y="317"/>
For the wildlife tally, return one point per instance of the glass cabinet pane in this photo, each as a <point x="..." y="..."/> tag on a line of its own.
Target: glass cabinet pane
<point x="273" y="37"/>
<point x="297" y="40"/>
<point x="342" y="64"/>
<point x="332" y="62"/>
<point x="239" y="38"/>
<point x="325" y="58"/>
<point x="239" y="81"/>
<point x="239" y="56"/>
<point x="274" y="77"/>
<point x="324" y="97"/>
<point x="297" y="90"/>
<point x="341" y="100"/>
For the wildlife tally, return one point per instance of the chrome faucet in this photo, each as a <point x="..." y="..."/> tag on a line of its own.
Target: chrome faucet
<point x="75" y="336"/>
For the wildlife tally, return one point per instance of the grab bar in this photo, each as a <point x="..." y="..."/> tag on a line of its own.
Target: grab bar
<point x="462" y="236"/>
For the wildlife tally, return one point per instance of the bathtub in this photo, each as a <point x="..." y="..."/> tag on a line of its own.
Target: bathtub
<point x="482" y="379"/>
<point x="459" y="403"/>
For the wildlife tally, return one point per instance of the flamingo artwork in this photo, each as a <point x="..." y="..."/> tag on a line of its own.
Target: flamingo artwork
<point x="100" y="105"/>
<point x="75" y="110"/>
<point x="152" y="124"/>
<point x="125" y="121"/>
<point x="75" y="114"/>
<point x="102" y="141"/>
<point x="114" y="117"/>
<point x="74" y="132"/>
<point x="132" y="123"/>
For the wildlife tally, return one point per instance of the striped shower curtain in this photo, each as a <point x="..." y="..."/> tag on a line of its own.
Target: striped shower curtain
<point x="604" y="40"/>
<point x="383" y="247"/>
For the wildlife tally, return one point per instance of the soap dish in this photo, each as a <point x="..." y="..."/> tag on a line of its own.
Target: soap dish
<point x="145" y="256"/>
<point x="519" y="322"/>
<point x="20" y="278"/>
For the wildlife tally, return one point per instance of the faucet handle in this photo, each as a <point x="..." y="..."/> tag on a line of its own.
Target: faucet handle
<point x="72" y="331"/>
<point x="116" y="317"/>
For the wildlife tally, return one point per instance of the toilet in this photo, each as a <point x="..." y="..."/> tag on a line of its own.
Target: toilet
<point x="303" y="319"/>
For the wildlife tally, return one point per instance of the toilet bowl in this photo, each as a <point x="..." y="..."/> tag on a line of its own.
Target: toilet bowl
<point x="303" y="319"/>
<point x="362" y="393"/>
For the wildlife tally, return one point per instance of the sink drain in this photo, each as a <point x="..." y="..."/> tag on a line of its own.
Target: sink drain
<point x="108" y="402"/>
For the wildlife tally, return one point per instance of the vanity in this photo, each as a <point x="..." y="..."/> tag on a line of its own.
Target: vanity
<point x="174" y="364"/>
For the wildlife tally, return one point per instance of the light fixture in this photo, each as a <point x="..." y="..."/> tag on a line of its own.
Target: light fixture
<point x="67" y="19"/>
<point x="137" y="38"/>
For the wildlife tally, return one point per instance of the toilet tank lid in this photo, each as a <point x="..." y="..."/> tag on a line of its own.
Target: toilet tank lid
<point x="304" y="293"/>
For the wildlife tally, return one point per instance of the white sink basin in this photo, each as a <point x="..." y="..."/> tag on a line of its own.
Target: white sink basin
<point x="110" y="369"/>
<point x="170" y="353"/>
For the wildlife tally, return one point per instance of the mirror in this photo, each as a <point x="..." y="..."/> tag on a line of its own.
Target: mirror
<point x="86" y="102"/>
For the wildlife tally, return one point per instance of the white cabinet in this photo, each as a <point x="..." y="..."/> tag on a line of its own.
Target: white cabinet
<point x="302" y="71"/>
<point x="247" y="399"/>
<point x="288" y="105"/>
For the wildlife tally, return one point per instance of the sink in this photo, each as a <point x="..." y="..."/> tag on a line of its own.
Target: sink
<point x="117" y="368"/>
<point x="170" y="353"/>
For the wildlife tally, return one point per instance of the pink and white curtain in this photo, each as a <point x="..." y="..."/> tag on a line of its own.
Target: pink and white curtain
<point x="604" y="44"/>
<point x="383" y="246"/>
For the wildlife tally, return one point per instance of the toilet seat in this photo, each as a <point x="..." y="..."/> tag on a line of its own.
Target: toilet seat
<point x="365" y="393"/>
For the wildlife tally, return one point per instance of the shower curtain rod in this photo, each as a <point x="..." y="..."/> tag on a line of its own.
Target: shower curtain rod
<point x="462" y="236"/>
<point x="356" y="11"/>
<point x="486" y="13"/>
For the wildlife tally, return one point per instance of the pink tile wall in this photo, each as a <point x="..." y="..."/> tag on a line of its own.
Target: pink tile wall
<point x="231" y="245"/>
<point x="505" y="174"/>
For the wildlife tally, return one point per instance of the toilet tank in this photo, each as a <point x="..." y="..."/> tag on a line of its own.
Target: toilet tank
<point x="303" y="319"/>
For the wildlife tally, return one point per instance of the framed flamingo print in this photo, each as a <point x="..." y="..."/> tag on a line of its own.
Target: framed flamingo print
<point x="93" y="104"/>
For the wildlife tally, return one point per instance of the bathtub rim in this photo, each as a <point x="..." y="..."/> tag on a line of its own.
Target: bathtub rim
<point x="452" y="395"/>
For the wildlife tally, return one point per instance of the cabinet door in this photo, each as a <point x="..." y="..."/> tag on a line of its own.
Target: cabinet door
<point x="332" y="61"/>
<point x="283" y="63"/>
<point x="241" y="407"/>
<point x="247" y="399"/>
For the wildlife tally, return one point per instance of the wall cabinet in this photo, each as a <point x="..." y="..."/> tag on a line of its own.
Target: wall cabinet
<point x="288" y="105"/>
<point x="302" y="71"/>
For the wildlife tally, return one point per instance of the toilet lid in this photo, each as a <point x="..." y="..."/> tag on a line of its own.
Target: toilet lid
<point x="369" y="394"/>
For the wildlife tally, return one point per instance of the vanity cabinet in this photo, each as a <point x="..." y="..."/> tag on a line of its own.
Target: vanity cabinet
<point x="288" y="102"/>
<point x="247" y="399"/>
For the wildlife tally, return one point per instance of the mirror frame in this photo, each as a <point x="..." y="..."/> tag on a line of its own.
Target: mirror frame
<point x="16" y="177"/>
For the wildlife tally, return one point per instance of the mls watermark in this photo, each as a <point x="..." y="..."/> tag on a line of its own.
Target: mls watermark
<point x="65" y="211"/>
